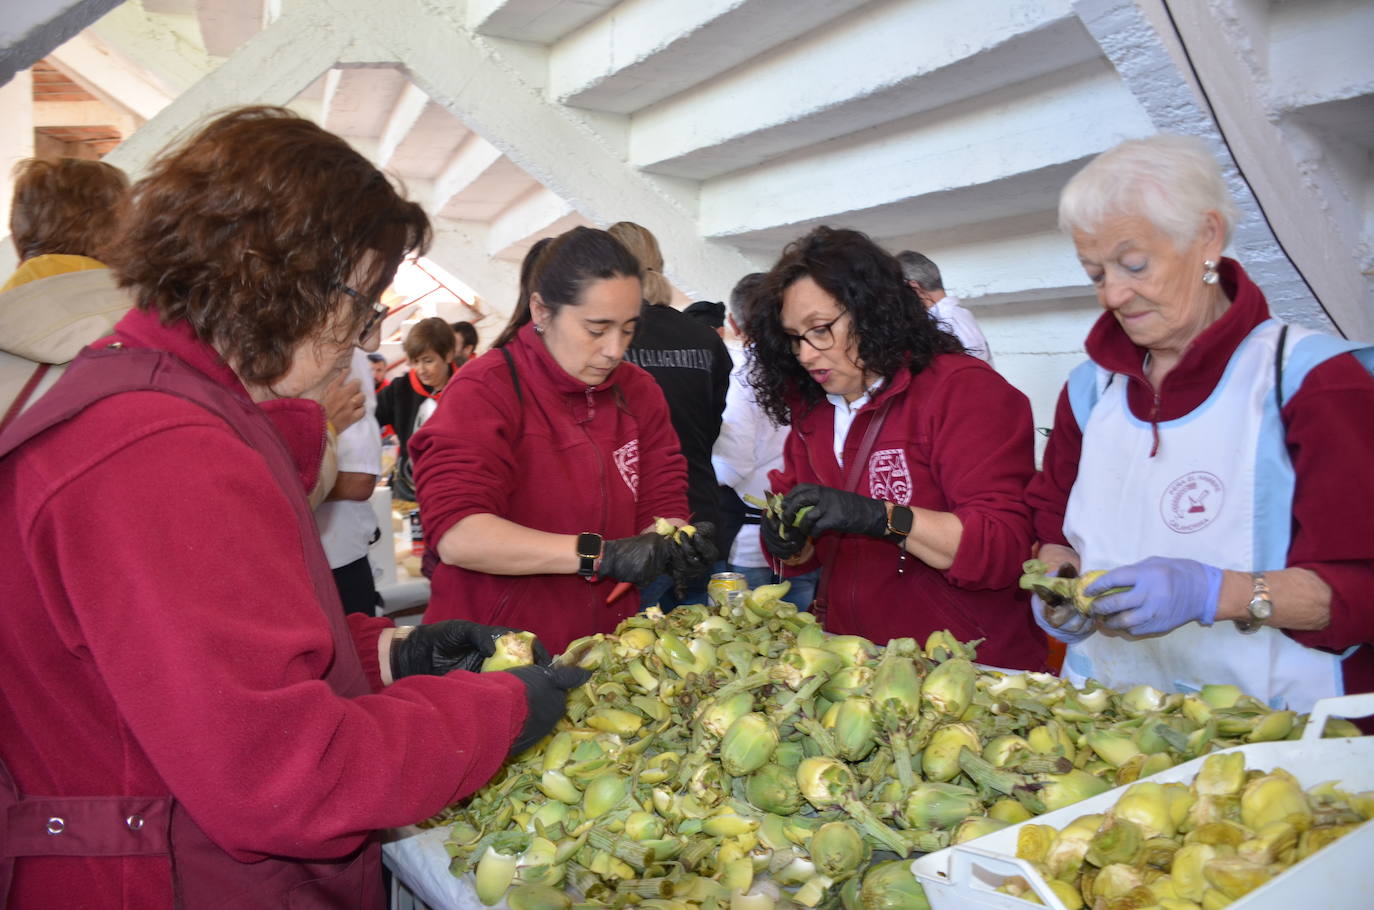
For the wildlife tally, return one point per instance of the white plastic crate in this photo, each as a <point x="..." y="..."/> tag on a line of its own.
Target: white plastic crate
<point x="1338" y="876"/>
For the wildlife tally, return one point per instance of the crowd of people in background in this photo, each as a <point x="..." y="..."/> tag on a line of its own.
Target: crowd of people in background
<point x="191" y="388"/>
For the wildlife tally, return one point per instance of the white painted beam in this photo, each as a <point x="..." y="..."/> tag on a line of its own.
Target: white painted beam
<point x="88" y="62"/>
<point x="1136" y="37"/>
<point x="539" y="213"/>
<point x="643" y="51"/>
<point x="460" y="247"/>
<point x="478" y="183"/>
<point x="461" y="72"/>
<point x="402" y="120"/>
<point x="156" y="46"/>
<point x="1001" y="154"/>
<point x="472" y="159"/>
<point x="30" y="30"/>
<point x="1020" y="258"/>
<point x="884" y="62"/>
<point x="537" y="21"/>
<point x="273" y="67"/>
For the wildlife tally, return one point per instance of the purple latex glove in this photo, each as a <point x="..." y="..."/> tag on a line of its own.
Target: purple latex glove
<point x="1164" y="593"/>
<point x="1063" y="621"/>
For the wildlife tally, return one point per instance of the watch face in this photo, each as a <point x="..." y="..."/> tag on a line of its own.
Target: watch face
<point x="901" y="519"/>
<point x="1261" y="609"/>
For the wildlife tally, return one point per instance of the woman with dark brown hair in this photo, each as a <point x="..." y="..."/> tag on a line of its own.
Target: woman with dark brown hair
<point x="906" y="462"/>
<point x="542" y="471"/>
<point x="184" y="702"/>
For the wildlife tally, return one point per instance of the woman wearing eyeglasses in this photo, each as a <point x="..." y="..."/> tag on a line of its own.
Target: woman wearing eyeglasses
<point x="907" y="459"/>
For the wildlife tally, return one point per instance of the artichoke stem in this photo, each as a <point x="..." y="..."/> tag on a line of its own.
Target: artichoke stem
<point x="646" y="887"/>
<point x="621" y="849"/>
<point x="876" y="829"/>
<point x="901" y="757"/>
<point x="814" y="729"/>
<point x="802" y="696"/>
<point x="988" y="775"/>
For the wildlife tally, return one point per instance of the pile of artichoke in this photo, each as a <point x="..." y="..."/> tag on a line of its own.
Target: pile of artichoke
<point x="739" y="757"/>
<point x="1180" y="847"/>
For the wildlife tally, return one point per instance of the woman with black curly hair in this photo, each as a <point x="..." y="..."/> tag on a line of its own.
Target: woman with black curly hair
<point x="907" y="460"/>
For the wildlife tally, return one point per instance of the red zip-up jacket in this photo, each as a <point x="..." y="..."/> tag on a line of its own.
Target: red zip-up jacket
<point x="1330" y="438"/>
<point x="562" y="457"/>
<point x="957" y="438"/>
<point x="162" y="637"/>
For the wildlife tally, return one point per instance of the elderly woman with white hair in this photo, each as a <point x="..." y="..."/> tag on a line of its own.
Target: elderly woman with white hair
<point x="1215" y="460"/>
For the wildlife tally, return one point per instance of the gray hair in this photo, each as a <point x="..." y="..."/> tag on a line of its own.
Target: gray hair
<point x="1170" y="181"/>
<point x="743" y="294"/>
<point x="920" y="269"/>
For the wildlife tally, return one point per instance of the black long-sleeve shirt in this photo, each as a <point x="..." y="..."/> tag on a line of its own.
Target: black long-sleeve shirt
<point x="692" y="366"/>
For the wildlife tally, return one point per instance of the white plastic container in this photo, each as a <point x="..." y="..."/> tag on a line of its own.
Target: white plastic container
<point x="1340" y="875"/>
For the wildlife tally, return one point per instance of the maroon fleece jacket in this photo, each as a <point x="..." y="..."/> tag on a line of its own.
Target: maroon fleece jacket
<point x="957" y="438"/>
<point x="162" y="637"/>
<point x="561" y="457"/>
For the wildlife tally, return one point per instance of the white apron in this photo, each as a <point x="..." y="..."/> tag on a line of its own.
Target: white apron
<point x="1220" y="491"/>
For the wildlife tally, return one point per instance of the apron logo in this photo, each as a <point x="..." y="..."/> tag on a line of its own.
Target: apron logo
<point x="1192" y="502"/>
<point x="627" y="462"/>
<point x="888" y="476"/>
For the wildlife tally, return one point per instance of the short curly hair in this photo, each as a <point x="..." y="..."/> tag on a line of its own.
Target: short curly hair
<point x="251" y="230"/>
<point x="67" y="205"/>
<point x="893" y="327"/>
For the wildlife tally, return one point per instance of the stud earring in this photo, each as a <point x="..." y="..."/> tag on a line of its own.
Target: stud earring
<point x="539" y="330"/>
<point x="1209" y="272"/>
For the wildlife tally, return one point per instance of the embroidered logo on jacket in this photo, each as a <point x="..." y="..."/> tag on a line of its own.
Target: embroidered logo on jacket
<point x="627" y="462"/>
<point x="1192" y="502"/>
<point x="888" y="476"/>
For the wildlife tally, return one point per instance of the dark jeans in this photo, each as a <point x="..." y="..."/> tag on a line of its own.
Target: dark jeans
<point x="800" y="595"/>
<point x="356" y="590"/>
<point x="660" y="591"/>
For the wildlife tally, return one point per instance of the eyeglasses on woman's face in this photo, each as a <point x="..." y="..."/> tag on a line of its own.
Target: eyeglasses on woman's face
<point x="820" y="337"/>
<point x="379" y="311"/>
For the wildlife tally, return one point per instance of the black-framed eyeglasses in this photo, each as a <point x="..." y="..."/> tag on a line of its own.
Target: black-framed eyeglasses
<point x="379" y="311"/>
<point x="820" y="337"/>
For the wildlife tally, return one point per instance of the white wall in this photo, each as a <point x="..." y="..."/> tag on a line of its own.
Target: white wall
<point x="16" y="142"/>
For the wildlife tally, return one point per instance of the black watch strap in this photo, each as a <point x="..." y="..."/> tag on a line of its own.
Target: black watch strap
<point x="899" y="523"/>
<point x="588" y="552"/>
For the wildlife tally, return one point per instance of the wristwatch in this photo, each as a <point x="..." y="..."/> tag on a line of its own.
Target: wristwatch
<point x="899" y="522"/>
<point x="588" y="552"/>
<point x="1261" y="607"/>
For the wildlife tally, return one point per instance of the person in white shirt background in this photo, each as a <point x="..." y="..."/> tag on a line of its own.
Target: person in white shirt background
<point x="346" y="520"/>
<point x="924" y="276"/>
<point x="748" y="447"/>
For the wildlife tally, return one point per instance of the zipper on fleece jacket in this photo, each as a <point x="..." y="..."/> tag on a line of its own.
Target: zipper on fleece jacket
<point x="600" y="470"/>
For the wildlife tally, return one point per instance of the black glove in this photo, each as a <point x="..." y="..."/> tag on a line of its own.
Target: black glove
<point x="546" y="694"/>
<point x="692" y="556"/>
<point x="833" y="510"/>
<point x="783" y="547"/>
<point x="454" y="644"/>
<point x="639" y="559"/>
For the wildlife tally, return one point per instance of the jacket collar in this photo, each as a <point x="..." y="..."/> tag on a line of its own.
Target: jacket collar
<point x="892" y="388"/>
<point x="145" y="329"/>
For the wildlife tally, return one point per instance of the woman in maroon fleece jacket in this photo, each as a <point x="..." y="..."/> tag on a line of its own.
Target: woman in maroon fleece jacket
<point x="1215" y="460"/>
<point x="542" y="471"/>
<point x="187" y="719"/>
<point x="909" y="456"/>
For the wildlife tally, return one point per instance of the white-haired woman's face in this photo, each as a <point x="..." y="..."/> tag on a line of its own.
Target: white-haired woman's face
<point x="1154" y="289"/>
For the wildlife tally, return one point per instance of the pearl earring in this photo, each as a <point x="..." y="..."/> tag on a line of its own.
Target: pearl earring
<point x="1209" y="272"/>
